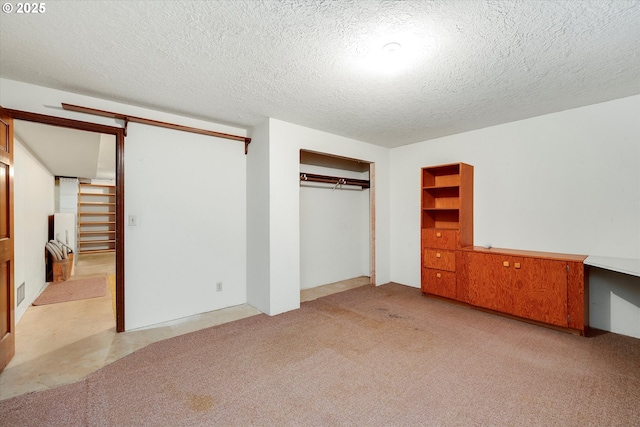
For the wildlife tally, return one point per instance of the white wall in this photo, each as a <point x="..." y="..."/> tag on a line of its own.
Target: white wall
<point x="566" y="182"/>
<point x="258" y="256"/>
<point x="67" y="203"/>
<point x="34" y="202"/>
<point x="188" y="191"/>
<point x="334" y="229"/>
<point x="67" y="195"/>
<point x="285" y="142"/>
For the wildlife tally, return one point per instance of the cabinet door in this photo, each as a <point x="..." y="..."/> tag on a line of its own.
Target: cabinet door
<point x="490" y="281"/>
<point x="540" y="290"/>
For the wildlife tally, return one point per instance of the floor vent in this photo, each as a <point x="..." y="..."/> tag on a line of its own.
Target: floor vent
<point x="20" y="294"/>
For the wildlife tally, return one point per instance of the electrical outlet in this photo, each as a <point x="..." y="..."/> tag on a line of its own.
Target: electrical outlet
<point x="219" y="287"/>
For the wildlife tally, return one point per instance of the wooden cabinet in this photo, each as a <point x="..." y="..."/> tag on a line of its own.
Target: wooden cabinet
<point x="539" y="286"/>
<point x="489" y="283"/>
<point x="438" y="282"/>
<point x="439" y="259"/>
<point x="447" y="201"/>
<point x="536" y="286"/>
<point x="447" y="225"/>
<point x="96" y="218"/>
<point x="443" y="239"/>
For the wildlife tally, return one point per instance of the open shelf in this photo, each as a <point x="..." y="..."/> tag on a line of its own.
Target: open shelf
<point x="96" y="204"/>
<point x="447" y="199"/>
<point x="441" y="197"/>
<point x="441" y="218"/>
<point x="441" y="176"/>
<point x="96" y="218"/>
<point x="97" y="251"/>
<point x="96" y="213"/>
<point x="96" y="194"/>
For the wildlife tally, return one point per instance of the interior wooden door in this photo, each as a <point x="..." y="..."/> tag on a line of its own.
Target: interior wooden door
<point x="7" y="315"/>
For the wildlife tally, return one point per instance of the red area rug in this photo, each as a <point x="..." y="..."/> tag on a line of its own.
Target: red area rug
<point x="72" y="290"/>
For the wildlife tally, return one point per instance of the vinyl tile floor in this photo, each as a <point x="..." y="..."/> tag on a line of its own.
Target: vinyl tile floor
<point x="62" y="343"/>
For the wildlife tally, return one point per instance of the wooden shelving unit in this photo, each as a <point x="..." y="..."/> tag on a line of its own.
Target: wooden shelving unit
<point x="96" y="218"/>
<point x="544" y="288"/>
<point x="447" y="226"/>
<point x="447" y="199"/>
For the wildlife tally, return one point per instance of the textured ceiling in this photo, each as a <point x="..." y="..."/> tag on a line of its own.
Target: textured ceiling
<point x="470" y="64"/>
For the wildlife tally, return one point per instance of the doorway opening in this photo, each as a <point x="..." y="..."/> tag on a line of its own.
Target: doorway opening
<point x="116" y="134"/>
<point x="80" y="206"/>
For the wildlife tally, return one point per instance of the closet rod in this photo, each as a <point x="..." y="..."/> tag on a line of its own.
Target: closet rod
<point x="134" y="119"/>
<point x="310" y="177"/>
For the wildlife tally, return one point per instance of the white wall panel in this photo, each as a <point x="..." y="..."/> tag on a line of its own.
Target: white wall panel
<point x="34" y="202"/>
<point x="188" y="193"/>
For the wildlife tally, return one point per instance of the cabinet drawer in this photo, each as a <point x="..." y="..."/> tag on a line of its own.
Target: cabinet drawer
<point x="440" y="259"/>
<point x="439" y="238"/>
<point x="439" y="282"/>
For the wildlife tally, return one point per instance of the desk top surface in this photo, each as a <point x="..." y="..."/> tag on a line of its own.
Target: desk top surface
<point x="621" y="265"/>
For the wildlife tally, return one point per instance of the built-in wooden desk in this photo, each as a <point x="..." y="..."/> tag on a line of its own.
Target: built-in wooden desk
<point x="621" y="265"/>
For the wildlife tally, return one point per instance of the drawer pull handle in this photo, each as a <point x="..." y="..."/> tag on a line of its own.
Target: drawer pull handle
<point x="516" y="265"/>
<point x="438" y="275"/>
<point x="438" y="234"/>
<point x="438" y="255"/>
<point x="505" y="263"/>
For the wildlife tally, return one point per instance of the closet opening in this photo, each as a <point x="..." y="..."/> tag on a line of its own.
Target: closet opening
<point x="337" y="220"/>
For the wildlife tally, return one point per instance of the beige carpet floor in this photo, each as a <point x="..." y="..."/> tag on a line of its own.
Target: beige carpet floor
<point x="382" y="356"/>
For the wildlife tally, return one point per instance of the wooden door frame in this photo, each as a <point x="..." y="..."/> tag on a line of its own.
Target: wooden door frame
<point x="372" y="224"/>
<point x="8" y="332"/>
<point x="120" y="220"/>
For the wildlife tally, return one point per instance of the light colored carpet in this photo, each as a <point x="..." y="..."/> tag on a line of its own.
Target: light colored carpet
<point x="72" y="290"/>
<point x="369" y="356"/>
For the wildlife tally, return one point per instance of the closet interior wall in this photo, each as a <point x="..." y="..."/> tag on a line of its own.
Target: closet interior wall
<point x="334" y="222"/>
